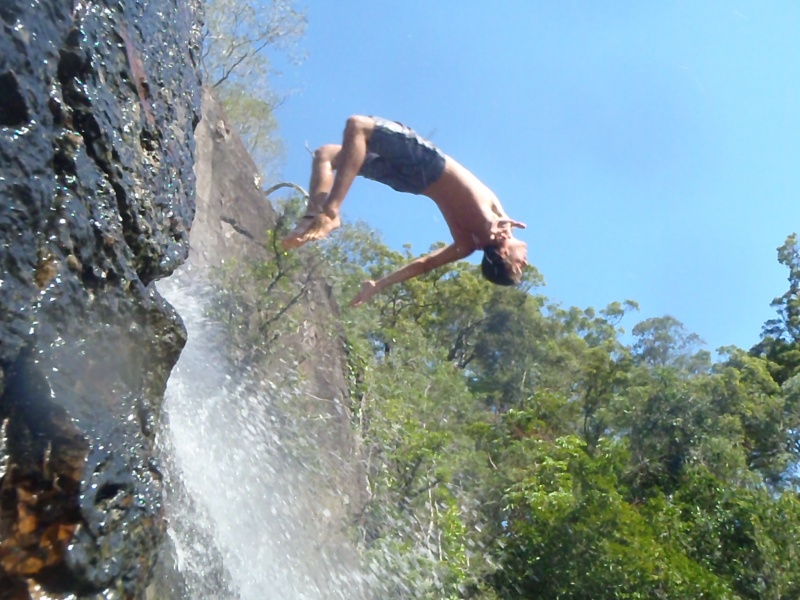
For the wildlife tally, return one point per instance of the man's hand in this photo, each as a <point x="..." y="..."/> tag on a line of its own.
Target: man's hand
<point x="368" y="290"/>
<point x="501" y="229"/>
<point x="418" y="266"/>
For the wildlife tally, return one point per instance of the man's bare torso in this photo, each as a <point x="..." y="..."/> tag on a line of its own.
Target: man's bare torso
<point x="468" y="206"/>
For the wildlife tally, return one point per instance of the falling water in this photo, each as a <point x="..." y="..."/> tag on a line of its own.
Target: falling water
<point x="245" y="519"/>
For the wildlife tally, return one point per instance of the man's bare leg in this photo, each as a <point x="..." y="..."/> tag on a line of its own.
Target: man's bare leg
<point x="326" y="190"/>
<point x="323" y="166"/>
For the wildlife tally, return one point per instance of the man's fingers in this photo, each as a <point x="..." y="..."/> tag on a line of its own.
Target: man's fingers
<point x="366" y="292"/>
<point x="512" y="222"/>
<point x="357" y="300"/>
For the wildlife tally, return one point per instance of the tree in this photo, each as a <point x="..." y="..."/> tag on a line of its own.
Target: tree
<point x="237" y="33"/>
<point x="787" y="325"/>
<point x="780" y="337"/>
<point x="664" y="341"/>
<point x="257" y="301"/>
<point x="572" y="533"/>
<point x="238" y="38"/>
<point x="767" y="414"/>
<point x="514" y="448"/>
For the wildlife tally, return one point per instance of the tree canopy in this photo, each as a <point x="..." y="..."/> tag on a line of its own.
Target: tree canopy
<point x="515" y="448"/>
<point x="241" y="40"/>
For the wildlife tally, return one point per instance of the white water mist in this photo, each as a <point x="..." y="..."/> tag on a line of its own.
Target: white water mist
<point x="244" y="521"/>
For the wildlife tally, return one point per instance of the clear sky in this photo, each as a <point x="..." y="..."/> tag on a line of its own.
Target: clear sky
<point x="653" y="148"/>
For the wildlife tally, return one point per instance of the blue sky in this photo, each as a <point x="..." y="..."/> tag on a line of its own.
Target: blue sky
<point x="652" y="148"/>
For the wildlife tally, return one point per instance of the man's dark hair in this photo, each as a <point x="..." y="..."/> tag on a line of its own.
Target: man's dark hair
<point x="497" y="269"/>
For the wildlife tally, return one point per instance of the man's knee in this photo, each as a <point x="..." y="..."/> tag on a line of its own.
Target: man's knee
<point x="326" y="153"/>
<point x="359" y="125"/>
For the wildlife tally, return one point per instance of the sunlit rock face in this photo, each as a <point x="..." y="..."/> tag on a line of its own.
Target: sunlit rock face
<point x="98" y="103"/>
<point x="262" y="463"/>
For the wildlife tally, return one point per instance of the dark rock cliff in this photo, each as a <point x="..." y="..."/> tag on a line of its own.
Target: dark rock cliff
<point x="98" y="102"/>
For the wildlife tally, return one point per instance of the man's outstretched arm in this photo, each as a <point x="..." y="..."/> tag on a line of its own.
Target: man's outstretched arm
<point x="416" y="267"/>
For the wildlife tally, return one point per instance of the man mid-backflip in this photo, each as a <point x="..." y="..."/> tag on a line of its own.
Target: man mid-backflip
<point x="393" y="154"/>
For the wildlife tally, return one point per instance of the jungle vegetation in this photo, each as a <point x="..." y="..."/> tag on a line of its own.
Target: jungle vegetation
<point x="517" y="448"/>
<point x="514" y="447"/>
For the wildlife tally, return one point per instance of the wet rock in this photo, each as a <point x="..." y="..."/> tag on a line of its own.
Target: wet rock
<point x="98" y="103"/>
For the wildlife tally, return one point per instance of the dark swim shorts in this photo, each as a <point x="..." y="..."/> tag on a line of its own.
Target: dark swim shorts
<point x="401" y="159"/>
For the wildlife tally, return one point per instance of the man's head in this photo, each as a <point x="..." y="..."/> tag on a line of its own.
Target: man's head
<point x="503" y="262"/>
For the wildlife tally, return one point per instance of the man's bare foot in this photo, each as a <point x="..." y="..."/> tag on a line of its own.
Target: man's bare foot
<point x="310" y="228"/>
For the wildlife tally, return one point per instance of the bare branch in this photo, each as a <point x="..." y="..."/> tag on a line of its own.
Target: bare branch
<point x="285" y="184"/>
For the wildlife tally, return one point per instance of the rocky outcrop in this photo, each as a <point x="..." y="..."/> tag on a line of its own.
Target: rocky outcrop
<point x="233" y="220"/>
<point x="98" y="102"/>
<point x="231" y="226"/>
<point x="233" y="215"/>
<point x="232" y="223"/>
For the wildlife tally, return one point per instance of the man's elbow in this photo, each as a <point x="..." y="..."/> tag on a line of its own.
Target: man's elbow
<point x="429" y="263"/>
<point x="423" y="265"/>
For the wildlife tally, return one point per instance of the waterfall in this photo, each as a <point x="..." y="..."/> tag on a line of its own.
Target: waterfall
<point x="246" y="520"/>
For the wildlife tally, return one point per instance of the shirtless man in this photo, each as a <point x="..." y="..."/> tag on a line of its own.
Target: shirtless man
<point x="393" y="154"/>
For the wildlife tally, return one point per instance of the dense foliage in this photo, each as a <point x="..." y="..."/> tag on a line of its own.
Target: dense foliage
<point x="515" y="448"/>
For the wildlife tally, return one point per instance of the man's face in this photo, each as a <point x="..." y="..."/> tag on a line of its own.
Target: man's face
<point x="516" y="251"/>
